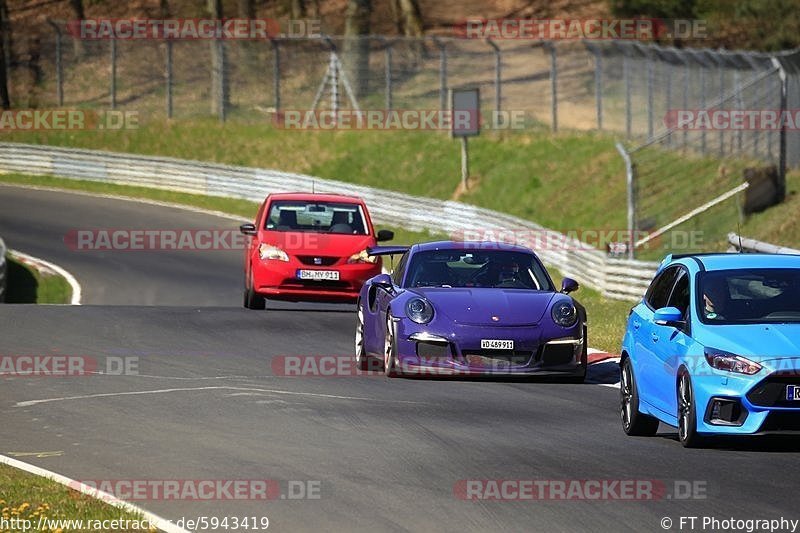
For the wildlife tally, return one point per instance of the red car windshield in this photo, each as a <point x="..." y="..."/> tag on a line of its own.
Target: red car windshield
<point x="318" y="217"/>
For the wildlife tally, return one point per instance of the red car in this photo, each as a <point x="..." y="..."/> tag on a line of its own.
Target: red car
<point x="309" y="247"/>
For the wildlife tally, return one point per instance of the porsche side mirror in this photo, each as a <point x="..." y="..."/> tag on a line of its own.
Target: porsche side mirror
<point x="384" y="281"/>
<point x="569" y="285"/>
<point x="248" y="229"/>
<point x="384" y="235"/>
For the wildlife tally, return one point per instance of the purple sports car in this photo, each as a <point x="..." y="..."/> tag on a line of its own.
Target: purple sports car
<point x="469" y="308"/>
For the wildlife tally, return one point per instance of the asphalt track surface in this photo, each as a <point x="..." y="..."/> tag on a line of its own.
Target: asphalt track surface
<point x="386" y="454"/>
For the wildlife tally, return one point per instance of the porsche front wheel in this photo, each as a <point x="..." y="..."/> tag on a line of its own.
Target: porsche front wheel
<point x="389" y="349"/>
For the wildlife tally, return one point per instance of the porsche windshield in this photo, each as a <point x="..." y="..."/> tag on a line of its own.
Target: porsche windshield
<point x="321" y="217"/>
<point x="498" y="269"/>
<point x="750" y="296"/>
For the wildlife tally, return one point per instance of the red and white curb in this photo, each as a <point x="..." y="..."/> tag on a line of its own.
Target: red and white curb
<point x="596" y="357"/>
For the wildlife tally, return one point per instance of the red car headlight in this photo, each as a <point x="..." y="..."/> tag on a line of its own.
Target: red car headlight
<point x="266" y="251"/>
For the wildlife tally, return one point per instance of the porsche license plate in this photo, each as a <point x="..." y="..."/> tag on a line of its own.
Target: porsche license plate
<point x="496" y="344"/>
<point x="793" y="393"/>
<point x="318" y="275"/>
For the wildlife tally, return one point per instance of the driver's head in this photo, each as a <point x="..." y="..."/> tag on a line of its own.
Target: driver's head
<point x="507" y="271"/>
<point x="715" y="295"/>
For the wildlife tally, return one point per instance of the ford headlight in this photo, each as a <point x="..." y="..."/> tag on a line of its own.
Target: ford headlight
<point x="363" y="257"/>
<point x="729" y="362"/>
<point x="266" y="251"/>
<point x="565" y="314"/>
<point x="419" y="310"/>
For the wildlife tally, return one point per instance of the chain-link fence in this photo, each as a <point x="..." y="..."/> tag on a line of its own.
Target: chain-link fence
<point x="620" y="86"/>
<point x="688" y="180"/>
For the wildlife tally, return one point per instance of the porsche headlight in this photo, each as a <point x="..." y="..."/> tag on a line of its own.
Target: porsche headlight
<point x="363" y="257"/>
<point x="419" y="310"/>
<point x="565" y="314"/>
<point x="266" y="251"/>
<point x="729" y="362"/>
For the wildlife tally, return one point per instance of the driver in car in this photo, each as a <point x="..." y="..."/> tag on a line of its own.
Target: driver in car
<point x="714" y="299"/>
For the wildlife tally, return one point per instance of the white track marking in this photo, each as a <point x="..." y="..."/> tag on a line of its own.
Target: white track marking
<point x="39" y="264"/>
<point x="168" y="378"/>
<point x="190" y="389"/>
<point x="161" y="523"/>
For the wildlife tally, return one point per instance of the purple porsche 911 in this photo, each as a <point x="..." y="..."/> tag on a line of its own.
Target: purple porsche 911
<point x="469" y="308"/>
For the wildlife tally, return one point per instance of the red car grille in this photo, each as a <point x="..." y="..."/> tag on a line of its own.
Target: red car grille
<point x="305" y="284"/>
<point x="315" y="260"/>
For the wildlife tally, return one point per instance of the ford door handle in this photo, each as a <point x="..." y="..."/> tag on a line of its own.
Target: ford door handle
<point x="636" y="325"/>
<point x="654" y="337"/>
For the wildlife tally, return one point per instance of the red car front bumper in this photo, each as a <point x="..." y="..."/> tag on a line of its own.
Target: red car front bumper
<point x="278" y="280"/>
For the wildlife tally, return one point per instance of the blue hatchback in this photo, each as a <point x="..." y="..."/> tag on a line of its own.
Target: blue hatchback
<point x="713" y="348"/>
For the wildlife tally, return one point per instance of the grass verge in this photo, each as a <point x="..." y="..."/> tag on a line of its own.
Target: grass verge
<point x="26" y="285"/>
<point x="24" y="496"/>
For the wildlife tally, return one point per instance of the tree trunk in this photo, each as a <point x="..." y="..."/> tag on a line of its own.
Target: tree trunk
<point x="78" y="13"/>
<point x="410" y="18"/>
<point x="246" y="9"/>
<point x="5" y="30"/>
<point x="356" y="47"/>
<point x="397" y="15"/>
<point x="163" y="8"/>
<point x="220" y="97"/>
<point x="299" y="9"/>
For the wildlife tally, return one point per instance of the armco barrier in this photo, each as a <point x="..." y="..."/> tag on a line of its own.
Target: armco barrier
<point x="750" y="246"/>
<point x="622" y="279"/>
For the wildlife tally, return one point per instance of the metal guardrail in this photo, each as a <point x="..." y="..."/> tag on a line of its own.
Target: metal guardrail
<point x="748" y="246"/>
<point x="3" y="270"/>
<point x="615" y="278"/>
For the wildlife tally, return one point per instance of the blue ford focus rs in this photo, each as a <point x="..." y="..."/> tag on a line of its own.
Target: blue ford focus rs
<point x="713" y="348"/>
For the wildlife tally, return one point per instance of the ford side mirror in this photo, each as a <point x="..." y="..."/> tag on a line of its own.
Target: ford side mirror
<point x="248" y="229"/>
<point x="569" y="285"/>
<point x="669" y="316"/>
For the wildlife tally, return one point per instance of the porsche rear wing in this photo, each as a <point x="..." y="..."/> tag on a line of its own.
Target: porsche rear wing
<point x="387" y="250"/>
